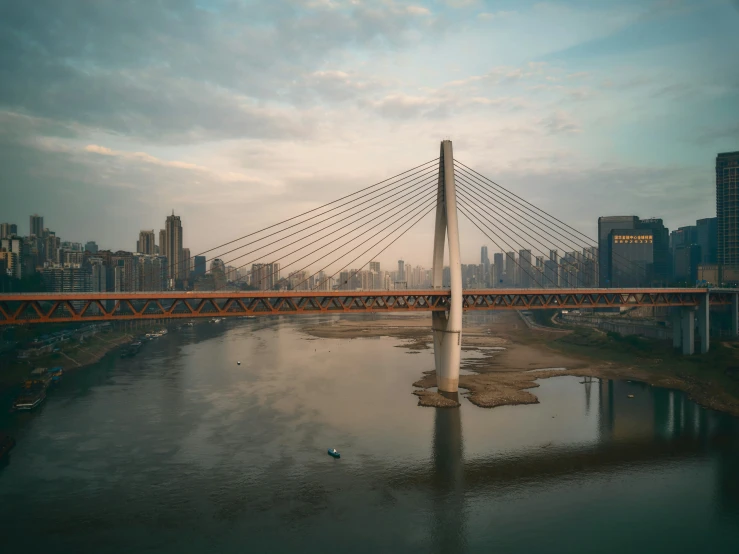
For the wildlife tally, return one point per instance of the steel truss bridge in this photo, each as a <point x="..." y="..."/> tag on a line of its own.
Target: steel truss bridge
<point x="59" y="308"/>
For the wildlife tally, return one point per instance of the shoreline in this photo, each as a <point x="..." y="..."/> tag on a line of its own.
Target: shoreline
<point x="71" y="358"/>
<point x="515" y="355"/>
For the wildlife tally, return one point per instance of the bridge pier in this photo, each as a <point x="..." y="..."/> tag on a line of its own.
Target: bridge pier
<point x="447" y="326"/>
<point x="687" y="325"/>
<point x="677" y="331"/>
<point x="704" y="323"/>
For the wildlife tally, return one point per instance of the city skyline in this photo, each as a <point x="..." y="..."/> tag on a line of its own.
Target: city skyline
<point x="609" y="109"/>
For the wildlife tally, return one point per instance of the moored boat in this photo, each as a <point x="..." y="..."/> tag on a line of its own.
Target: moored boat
<point x="26" y="401"/>
<point x="56" y="374"/>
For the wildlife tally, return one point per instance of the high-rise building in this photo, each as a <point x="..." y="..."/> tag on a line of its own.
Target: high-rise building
<point x="37" y="225"/>
<point x="199" y="266"/>
<point x="374" y="266"/>
<point x="707" y="239"/>
<point x="163" y="242"/>
<point x="551" y="270"/>
<point x="265" y="276"/>
<point x="401" y="271"/>
<point x="527" y="274"/>
<point x="8" y="230"/>
<point x="186" y="264"/>
<point x="146" y="243"/>
<point x="727" y="207"/>
<point x="218" y="270"/>
<point x="91" y="246"/>
<point x="498" y="269"/>
<point x="511" y="273"/>
<point x="629" y="255"/>
<point x="607" y="224"/>
<point x="17" y="247"/>
<point x="98" y="275"/>
<point x="173" y="229"/>
<point x="485" y="262"/>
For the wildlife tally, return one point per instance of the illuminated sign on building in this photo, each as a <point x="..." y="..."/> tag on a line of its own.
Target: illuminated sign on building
<point x="632" y="239"/>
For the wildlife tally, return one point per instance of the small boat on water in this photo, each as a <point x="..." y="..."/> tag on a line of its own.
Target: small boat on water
<point x="334" y="453"/>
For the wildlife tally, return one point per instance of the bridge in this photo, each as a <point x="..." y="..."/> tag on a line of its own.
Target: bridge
<point x="404" y="200"/>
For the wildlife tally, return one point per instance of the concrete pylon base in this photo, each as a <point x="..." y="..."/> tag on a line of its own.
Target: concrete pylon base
<point x="447" y="353"/>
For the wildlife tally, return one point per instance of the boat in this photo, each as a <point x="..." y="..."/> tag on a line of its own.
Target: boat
<point x="6" y="444"/>
<point x="26" y="402"/>
<point x="56" y="374"/>
<point x="334" y="453"/>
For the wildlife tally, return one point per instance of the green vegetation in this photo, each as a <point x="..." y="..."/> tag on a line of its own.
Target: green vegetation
<point x="720" y="366"/>
<point x="543" y="317"/>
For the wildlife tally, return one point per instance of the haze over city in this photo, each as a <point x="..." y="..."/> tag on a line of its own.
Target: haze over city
<point x="239" y="115"/>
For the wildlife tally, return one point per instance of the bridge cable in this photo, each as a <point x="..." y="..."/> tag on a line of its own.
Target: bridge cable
<point x="463" y="204"/>
<point x="540" y="219"/>
<point x="461" y="167"/>
<point x="432" y="207"/>
<point x="412" y="203"/>
<point x="472" y="198"/>
<point x="559" y="243"/>
<point x="426" y="171"/>
<point x="415" y="188"/>
<point x="407" y="204"/>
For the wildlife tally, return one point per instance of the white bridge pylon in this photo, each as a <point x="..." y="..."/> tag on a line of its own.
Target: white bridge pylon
<point x="447" y="326"/>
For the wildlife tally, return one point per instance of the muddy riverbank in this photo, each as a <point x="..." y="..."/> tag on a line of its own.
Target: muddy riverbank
<point x="511" y="356"/>
<point x="70" y="357"/>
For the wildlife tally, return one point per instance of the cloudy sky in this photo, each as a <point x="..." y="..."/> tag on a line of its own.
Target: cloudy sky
<point x="237" y="114"/>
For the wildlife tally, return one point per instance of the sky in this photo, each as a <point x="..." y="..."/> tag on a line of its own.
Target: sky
<point x="238" y="114"/>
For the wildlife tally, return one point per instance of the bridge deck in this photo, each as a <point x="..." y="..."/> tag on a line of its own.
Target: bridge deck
<point x="51" y="307"/>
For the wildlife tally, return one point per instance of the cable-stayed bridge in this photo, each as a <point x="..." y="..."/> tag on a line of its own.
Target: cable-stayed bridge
<point x="355" y="229"/>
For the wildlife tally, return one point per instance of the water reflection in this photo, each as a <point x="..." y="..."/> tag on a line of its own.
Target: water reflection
<point x="448" y="525"/>
<point x="639" y="427"/>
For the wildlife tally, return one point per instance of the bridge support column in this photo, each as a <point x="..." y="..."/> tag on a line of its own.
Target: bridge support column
<point x="735" y="314"/>
<point x="687" y="323"/>
<point x="447" y="325"/>
<point x="704" y="324"/>
<point x="677" y="332"/>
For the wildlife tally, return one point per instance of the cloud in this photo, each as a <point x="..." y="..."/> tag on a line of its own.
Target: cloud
<point x="176" y="73"/>
<point x="418" y="10"/>
<point x="140" y="157"/>
<point x="560" y="123"/>
<point x="490" y="16"/>
<point x="719" y="134"/>
<point x="461" y="3"/>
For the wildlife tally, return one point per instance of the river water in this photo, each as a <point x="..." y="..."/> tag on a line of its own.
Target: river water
<point x="181" y="450"/>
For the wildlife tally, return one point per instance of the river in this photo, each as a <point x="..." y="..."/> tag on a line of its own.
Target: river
<point x="181" y="450"/>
